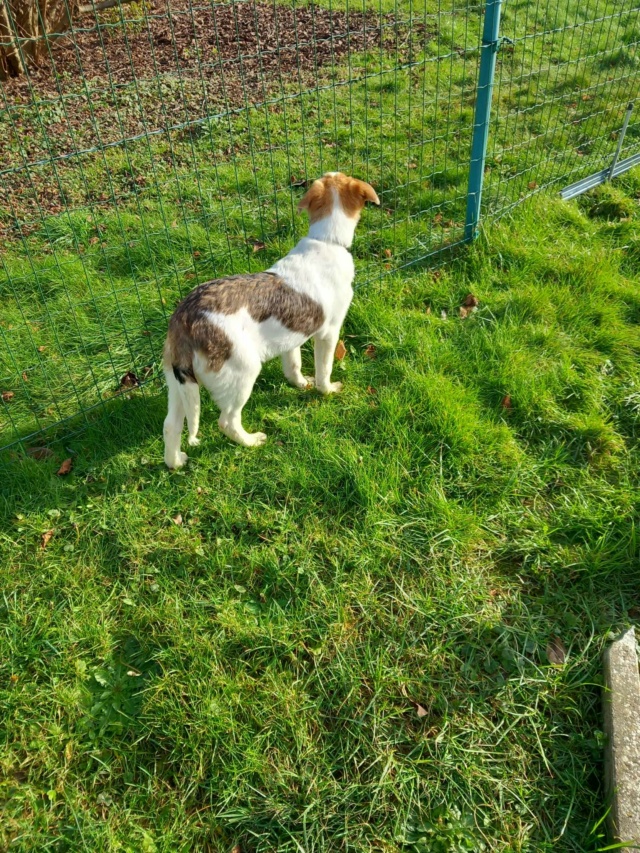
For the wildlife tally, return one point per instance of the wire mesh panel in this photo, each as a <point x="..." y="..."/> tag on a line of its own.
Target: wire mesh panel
<point x="156" y="147"/>
<point x="563" y="83"/>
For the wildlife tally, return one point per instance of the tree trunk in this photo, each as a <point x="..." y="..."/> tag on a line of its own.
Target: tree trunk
<point x="24" y="25"/>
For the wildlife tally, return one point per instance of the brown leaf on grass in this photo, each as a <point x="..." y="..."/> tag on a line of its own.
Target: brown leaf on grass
<point x="428" y="309"/>
<point x="371" y="390"/>
<point x="39" y="453"/>
<point x="388" y="253"/>
<point x="298" y="182"/>
<point x="147" y="370"/>
<point x="258" y="246"/>
<point x="422" y="712"/>
<point x="177" y="519"/>
<point x="25" y="378"/>
<point x="7" y="395"/>
<point x="41" y="349"/>
<point x="65" y="468"/>
<point x="237" y="849"/>
<point x="556" y="651"/>
<point x="471" y="301"/>
<point x="46" y="538"/>
<point x="464" y="312"/>
<point x="506" y="402"/>
<point x="129" y="380"/>
<point x="370" y="351"/>
<point x="532" y="185"/>
<point x="341" y="351"/>
<point x="94" y="240"/>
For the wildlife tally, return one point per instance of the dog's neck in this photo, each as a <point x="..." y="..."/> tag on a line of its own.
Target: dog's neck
<point x="337" y="228"/>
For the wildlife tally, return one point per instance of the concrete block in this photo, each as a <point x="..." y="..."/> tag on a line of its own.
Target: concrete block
<point x="622" y="728"/>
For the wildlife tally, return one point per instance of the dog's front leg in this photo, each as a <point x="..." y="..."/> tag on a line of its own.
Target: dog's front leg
<point x="292" y="368"/>
<point x="324" y="349"/>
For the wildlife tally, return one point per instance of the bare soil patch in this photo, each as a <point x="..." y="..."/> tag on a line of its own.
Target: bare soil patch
<point x="168" y="68"/>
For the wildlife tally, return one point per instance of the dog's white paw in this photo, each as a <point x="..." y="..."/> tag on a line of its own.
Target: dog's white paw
<point x="255" y="439"/>
<point x="194" y="442"/>
<point x="331" y="388"/>
<point x="178" y="461"/>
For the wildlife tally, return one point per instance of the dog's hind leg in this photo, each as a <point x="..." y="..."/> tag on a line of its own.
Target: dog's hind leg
<point x="173" y="423"/>
<point x="231" y="387"/>
<point x="191" y="401"/>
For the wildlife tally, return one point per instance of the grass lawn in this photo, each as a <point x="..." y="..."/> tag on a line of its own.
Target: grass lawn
<point x="341" y="641"/>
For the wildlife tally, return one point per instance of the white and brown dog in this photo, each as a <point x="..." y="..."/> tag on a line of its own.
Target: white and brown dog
<point x="221" y="334"/>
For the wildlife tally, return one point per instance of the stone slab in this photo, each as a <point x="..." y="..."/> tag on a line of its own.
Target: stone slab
<point x="622" y="728"/>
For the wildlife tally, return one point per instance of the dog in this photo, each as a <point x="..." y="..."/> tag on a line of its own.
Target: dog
<point x="222" y="333"/>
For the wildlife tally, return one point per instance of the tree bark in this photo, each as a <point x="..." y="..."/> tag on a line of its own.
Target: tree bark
<point x="24" y="27"/>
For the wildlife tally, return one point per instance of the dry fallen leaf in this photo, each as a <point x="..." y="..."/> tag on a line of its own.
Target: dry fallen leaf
<point x="39" y="453"/>
<point x="388" y="253"/>
<point x="65" y="468"/>
<point x="471" y="301"/>
<point x="428" y="310"/>
<point x="532" y="185"/>
<point x="341" y="351"/>
<point x="370" y="351"/>
<point x="7" y="395"/>
<point x="298" y="182"/>
<point x="129" y="380"/>
<point x="177" y="519"/>
<point x="371" y="390"/>
<point x="464" y="312"/>
<point x="258" y="246"/>
<point x="41" y="349"/>
<point x="25" y="378"/>
<point x="422" y="712"/>
<point x="556" y="652"/>
<point x="46" y="537"/>
<point x="506" y="402"/>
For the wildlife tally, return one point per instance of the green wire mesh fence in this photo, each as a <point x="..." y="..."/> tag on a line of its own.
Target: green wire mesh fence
<point x="160" y="144"/>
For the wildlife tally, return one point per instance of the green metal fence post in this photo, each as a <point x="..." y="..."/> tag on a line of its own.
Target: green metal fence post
<point x="490" y="45"/>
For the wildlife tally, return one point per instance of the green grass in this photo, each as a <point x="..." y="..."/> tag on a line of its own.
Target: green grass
<point x="342" y="646"/>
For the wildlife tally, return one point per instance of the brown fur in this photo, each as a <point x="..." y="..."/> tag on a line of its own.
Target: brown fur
<point x="264" y="295"/>
<point x="319" y="198"/>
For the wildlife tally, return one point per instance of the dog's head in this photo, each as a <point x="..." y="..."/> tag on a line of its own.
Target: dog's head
<point x="335" y="189"/>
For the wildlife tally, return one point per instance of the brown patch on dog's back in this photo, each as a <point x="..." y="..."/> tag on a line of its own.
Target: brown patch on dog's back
<point x="353" y="194"/>
<point x="264" y="295"/>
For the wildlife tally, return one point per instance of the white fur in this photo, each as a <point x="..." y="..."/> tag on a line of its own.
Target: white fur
<point x="320" y="266"/>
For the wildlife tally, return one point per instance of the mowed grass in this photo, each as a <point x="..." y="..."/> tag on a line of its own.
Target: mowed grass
<point x="339" y="641"/>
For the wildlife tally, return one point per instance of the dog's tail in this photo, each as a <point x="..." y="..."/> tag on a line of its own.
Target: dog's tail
<point x="182" y="382"/>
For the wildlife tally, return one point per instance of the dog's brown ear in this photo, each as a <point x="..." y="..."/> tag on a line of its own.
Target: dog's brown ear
<point x="317" y="201"/>
<point x="367" y="191"/>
